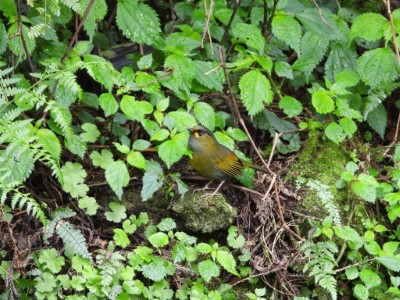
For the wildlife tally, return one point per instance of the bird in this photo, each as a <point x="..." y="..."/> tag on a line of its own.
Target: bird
<point x="213" y="160"/>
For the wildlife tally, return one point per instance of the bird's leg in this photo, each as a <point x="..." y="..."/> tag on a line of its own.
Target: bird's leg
<point x="204" y="187"/>
<point x="216" y="190"/>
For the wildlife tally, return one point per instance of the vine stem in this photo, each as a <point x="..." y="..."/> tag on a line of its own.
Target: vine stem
<point x="389" y="12"/>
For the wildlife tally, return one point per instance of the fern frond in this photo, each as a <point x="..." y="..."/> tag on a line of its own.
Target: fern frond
<point x="32" y="207"/>
<point x="73" y="239"/>
<point x="57" y="215"/>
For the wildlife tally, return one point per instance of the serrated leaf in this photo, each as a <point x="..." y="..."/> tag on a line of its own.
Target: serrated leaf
<point x="250" y="35"/>
<point x="335" y="132"/>
<point x="136" y="159"/>
<point x="205" y="114"/>
<point x="108" y="104"/>
<point x="160" y="135"/>
<point x="172" y="150"/>
<point x="117" y="176"/>
<point x="147" y="83"/>
<point x="140" y="145"/>
<point x="159" y="239"/>
<point x="179" y="120"/>
<point x="288" y="30"/>
<point x="155" y="270"/>
<point x="135" y="110"/>
<point x="208" y="75"/>
<point x="348" y="126"/>
<point x="377" y="119"/>
<point x="351" y="273"/>
<point x="102" y="71"/>
<point x="255" y="89"/>
<point x="290" y="106"/>
<point x="89" y="205"/>
<point x="138" y="21"/>
<point x="339" y="59"/>
<point x="117" y="213"/>
<point x="361" y="292"/>
<point x="166" y="224"/>
<point x="102" y="159"/>
<point x="162" y="104"/>
<point x="368" y="26"/>
<point x="283" y="69"/>
<point x="91" y="133"/>
<point x="370" y="278"/>
<point x="121" y="238"/>
<point x="365" y="191"/>
<point x="377" y="66"/>
<point x="152" y="179"/>
<point x="322" y="102"/>
<point x="227" y="261"/>
<point x="392" y="263"/>
<point x="208" y="269"/>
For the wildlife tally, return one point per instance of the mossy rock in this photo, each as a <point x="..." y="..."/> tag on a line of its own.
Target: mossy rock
<point x="201" y="212"/>
<point x="321" y="162"/>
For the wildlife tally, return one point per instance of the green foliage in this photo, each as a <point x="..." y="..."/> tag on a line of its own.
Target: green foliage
<point x="325" y="69"/>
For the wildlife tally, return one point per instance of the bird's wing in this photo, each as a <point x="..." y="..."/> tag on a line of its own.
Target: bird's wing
<point x="229" y="164"/>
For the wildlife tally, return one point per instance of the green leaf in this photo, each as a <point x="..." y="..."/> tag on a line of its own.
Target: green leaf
<point x="140" y="145"/>
<point x="160" y="135"/>
<point x="121" y="238"/>
<point x="347" y="233"/>
<point x="138" y="22"/>
<point x="117" y="177"/>
<point x="205" y="114"/>
<point x="377" y="119"/>
<point x="152" y="179"/>
<point x="97" y="13"/>
<point x="108" y="104"/>
<point x="322" y="102"/>
<point x="365" y="188"/>
<point x="348" y="126"/>
<point x="249" y="35"/>
<point x="347" y="78"/>
<point x="339" y="59"/>
<point x="117" y="213"/>
<point x="255" y="89"/>
<point x="145" y="62"/>
<point x="102" y="159"/>
<point x="159" y="239"/>
<point x="204" y="248"/>
<point x="370" y="278"/>
<point x="172" y="150"/>
<point x="46" y="282"/>
<point x="91" y="132"/>
<point x="351" y="273"/>
<point x="166" y="224"/>
<point x="136" y="159"/>
<point x="361" y="292"/>
<point x="288" y="30"/>
<point x="8" y="7"/>
<point x="208" y="75"/>
<point x="183" y="73"/>
<point x="155" y="270"/>
<point x="121" y="148"/>
<point x="147" y="83"/>
<point x="335" y="132"/>
<point x="283" y="69"/>
<point x="290" y="106"/>
<point x="179" y="120"/>
<point x="89" y="205"/>
<point x="208" y="269"/>
<point x="51" y="260"/>
<point x="102" y="71"/>
<point x="377" y="66"/>
<point x="49" y="142"/>
<point x="162" y="104"/>
<point x="74" y="176"/>
<point x="227" y="261"/>
<point x="135" y="110"/>
<point x="237" y="134"/>
<point x="368" y="26"/>
<point x="392" y="263"/>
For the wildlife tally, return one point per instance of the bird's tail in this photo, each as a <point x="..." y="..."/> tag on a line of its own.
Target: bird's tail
<point x="256" y="167"/>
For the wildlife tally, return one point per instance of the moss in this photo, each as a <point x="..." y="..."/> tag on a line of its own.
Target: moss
<point x="324" y="161"/>
<point x="201" y="212"/>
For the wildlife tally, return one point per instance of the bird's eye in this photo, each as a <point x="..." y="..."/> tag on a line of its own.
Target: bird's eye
<point x="200" y="133"/>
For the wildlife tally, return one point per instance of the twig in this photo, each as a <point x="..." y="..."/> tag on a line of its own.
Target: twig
<point x="228" y="27"/>
<point x="208" y="12"/>
<point x="320" y="14"/>
<point x="353" y="265"/>
<point x="272" y="13"/>
<point x="235" y="110"/>
<point x="396" y="47"/>
<point x="284" y="225"/>
<point x="395" y="136"/>
<point x="264" y="25"/>
<point x="21" y="32"/>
